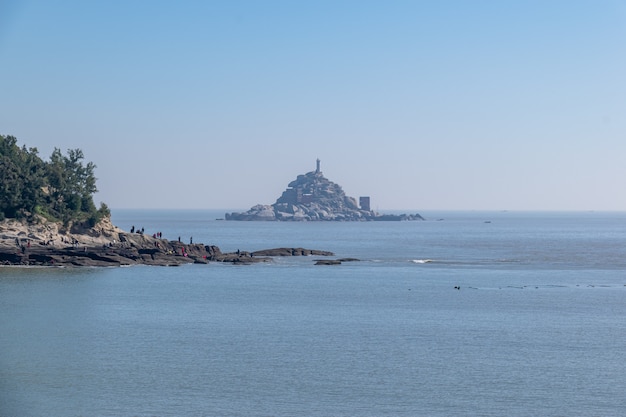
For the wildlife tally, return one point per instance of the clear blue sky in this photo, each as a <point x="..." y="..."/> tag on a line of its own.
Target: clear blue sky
<point x="423" y="105"/>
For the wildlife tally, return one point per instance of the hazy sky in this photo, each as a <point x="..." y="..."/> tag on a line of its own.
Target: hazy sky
<point x="517" y="105"/>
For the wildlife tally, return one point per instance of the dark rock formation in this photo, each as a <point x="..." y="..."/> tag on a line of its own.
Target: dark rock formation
<point x="312" y="197"/>
<point x="397" y="217"/>
<point x="291" y="252"/>
<point x="335" y="261"/>
<point x="25" y="244"/>
<point x="139" y="250"/>
<point x="328" y="262"/>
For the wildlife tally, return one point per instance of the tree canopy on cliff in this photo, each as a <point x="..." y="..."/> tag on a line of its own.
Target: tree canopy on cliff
<point x="60" y="189"/>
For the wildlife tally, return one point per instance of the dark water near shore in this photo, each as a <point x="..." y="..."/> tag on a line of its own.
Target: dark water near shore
<point x="538" y="327"/>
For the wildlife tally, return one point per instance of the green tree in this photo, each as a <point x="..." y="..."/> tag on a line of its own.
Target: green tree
<point x="60" y="189"/>
<point x="72" y="184"/>
<point x="22" y="178"/>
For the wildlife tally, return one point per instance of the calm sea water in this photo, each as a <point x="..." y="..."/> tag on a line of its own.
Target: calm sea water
<point x="537" y="328"/>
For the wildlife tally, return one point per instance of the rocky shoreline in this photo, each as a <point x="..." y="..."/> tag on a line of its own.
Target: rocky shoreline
<point x="49" y="244"/>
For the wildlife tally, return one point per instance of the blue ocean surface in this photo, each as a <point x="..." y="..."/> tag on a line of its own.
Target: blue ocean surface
<point x="536" y="325"/>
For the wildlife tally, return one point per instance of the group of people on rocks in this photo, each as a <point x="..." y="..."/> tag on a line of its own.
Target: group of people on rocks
<point x="190" y="240"/>
<point x="132" y="230"/>
<point x="159" y="235"/>
<point x="72" y="241"/>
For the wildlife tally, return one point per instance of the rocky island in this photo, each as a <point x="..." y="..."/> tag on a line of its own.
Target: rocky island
<point x="312" y="197"/>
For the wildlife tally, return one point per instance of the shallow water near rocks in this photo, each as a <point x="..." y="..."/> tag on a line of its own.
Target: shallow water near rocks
<point x="538" y="326"/>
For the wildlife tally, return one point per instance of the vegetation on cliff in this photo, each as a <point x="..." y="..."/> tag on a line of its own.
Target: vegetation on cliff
<point x="60" y="189"/>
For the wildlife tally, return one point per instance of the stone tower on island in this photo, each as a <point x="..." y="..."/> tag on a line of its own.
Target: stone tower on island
<point x="312" y="197"/>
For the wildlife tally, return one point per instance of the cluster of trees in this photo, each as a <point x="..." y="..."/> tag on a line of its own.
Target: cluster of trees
<point x="60" y="189"/>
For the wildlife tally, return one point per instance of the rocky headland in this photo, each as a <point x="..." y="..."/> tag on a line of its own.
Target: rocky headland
<point x="48" y="217"/>
<point x="41" y="243"/>
<point x="312" y="197"/>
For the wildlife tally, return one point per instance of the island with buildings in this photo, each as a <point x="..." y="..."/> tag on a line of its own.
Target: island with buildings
<point x="312" y="197"/>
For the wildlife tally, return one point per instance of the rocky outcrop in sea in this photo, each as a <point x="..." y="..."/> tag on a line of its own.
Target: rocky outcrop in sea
<point x="42" y="243"/>
<point x="312" y="197"/>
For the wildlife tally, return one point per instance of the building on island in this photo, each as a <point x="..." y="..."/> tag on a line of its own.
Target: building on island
<point x="312" y="197"/>
<point x="364" y="203"/>
<point x="313" y="188"/>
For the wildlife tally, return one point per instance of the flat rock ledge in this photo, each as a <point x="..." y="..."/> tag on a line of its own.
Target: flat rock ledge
<point x="47" y="245"/>
<point x="334" y="261"/>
